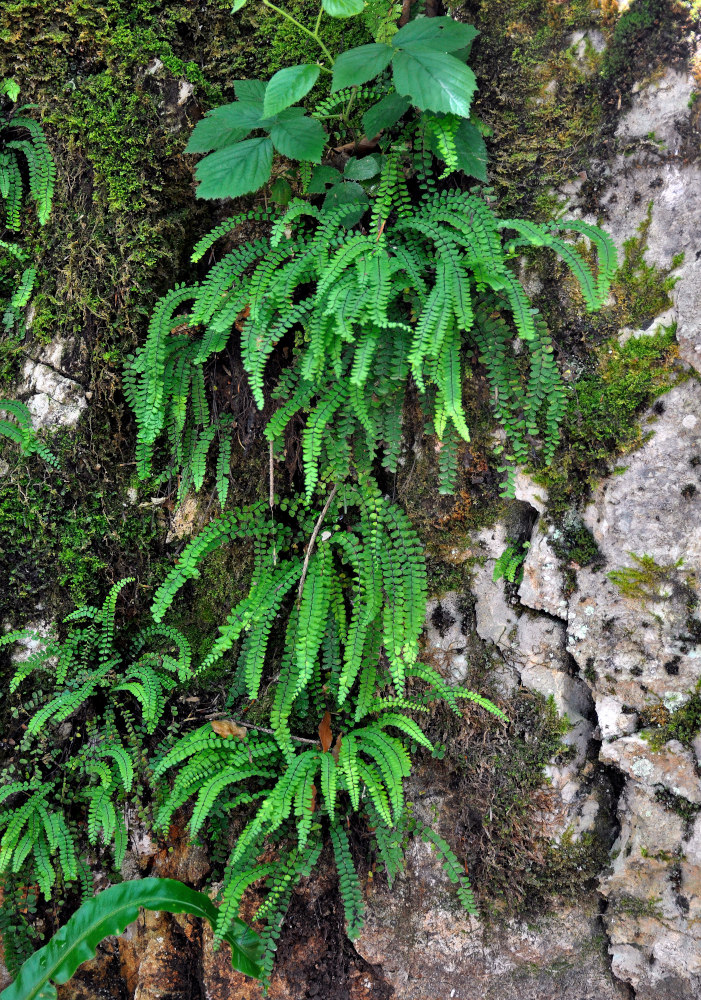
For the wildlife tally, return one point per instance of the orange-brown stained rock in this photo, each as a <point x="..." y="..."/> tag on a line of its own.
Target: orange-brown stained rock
<point x="220" y="982"/>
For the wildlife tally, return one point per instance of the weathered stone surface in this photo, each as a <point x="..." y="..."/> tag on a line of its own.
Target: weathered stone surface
<point x="654" y="163"/>
<point x="543" y="584"/>
<point x="671" y="767"/>
<point x="636" y="650"/>
<point x="53" y="399"/>
<point x="428" y="949"/>
<point x="654" y="898"/>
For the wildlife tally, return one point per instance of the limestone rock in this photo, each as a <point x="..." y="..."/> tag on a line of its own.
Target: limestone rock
<point x="654" y="898"/>
<point x="637" y="650"/>
<point x="672" y="767"/>
<point x="543" y="584"/>
<point x="54" y="399"/>
<point x="530" y="492"/>
<point x="430" y="950"/>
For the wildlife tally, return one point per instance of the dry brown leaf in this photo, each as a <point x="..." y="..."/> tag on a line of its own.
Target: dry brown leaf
<point x="325" y="734"/>
<point x="225" y="727"/>
<point x="337" y="748"/>
<point x="313" y="807"/>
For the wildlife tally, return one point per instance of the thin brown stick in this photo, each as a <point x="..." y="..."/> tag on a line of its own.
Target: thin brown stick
<point x="271" y="492"/>
<point x="317" y="527"/>
<point x="268" y="732"/>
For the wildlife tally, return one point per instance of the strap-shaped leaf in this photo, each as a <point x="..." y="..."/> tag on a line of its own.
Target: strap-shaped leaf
<point x="109" y="913"/>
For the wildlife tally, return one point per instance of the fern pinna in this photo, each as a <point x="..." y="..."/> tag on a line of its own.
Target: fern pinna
<point x="369" y="307"/>
<point x="351" y="582"/>
<point x="81" y="749"/>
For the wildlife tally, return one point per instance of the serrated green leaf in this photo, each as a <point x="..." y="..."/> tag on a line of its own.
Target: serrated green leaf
<point x="238" y="4"/>
<point x="363" y="169"/>
<point x="109" y="913"/>
<point x="281" y="192"/>
<point x="435" y="81"/>
<point x="361" y="64"/>
<point x="440" y="33"/>
<point x="471" y="150"/>
<point x="347" y="193"/>
<point x="385" y="113"/>
<point x="300" y="138"/>
<point x="250" y="90"/>
<point x="343" y="8"/>
<point x="225" y="125"/>
<point x="236" y="170"/>
<point x="321" y="176"/>
<point x="288" y="86"/>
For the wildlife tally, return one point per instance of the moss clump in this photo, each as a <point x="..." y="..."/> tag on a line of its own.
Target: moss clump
<point x="66" y="536"/>
<point x="641" y="289"/>
<point x="678" y="804"/>
<point x="683" y="724"/>
<point x="644" y="32"/>
<point x="601" y="419"/>
<point x="646" y="580"/>
<point x="118" y="131"/>
<point x="499" y="794"/>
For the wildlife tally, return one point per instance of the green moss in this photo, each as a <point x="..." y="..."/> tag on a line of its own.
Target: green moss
<point x="647" y="28"/>
<point x="288" y="44"/>
<point x="646" y="580"/>
<point x="678" y="804"/>
<point x="601" y="420"/>
<point x="632" y="906"/>
<point x="114" y="127"/>
<point x="66" y="536"/>
<point x="684" y="724"/>
<point x="641" y="289"/>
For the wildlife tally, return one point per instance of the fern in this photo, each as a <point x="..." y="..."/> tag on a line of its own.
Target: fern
<point x="351" y="641"/>
<point x="404" y="300"/>
<point x="22" y="140"/>
<point x="95" y="672"/>
<point x="22" y="432"/>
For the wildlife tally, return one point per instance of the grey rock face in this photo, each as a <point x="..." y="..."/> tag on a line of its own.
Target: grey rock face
<point x="431" y="952"/>
<point x="543" y="584"/>
<point x="54" y="400"/>
<point x="636" y="651"/>
<point x="657" y="163"/>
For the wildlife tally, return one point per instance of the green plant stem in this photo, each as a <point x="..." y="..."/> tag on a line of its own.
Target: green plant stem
<point x="307" y="31"/>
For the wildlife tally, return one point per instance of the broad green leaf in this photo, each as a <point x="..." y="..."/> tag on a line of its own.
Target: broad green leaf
<point x="281" y="192"/>
<point x="385" y="113"/>
<point x="343" y="8"/>
<point x="250" y="90"/>
<point x="224" y="126"/>
<point x="471" y="150"/>
<point x="236" y="170"/>
<point x="288" y="86"/>
<point x="435" y="81"/>
<point x="359" y="65"/>
<point x="363" y="169"/>
<point x="299" y="138"/>
<point x="347" y="193"/>
<point x="321" y="176"/>
<point x="110" y="912"/>
<point x="238" y="4"/>
<point x="440" y="33"/>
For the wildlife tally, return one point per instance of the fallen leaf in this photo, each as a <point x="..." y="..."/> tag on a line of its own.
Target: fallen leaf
<point x="225" y="728"/>
<point x="337" y="748"/>
<point x="325" y="734"/>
